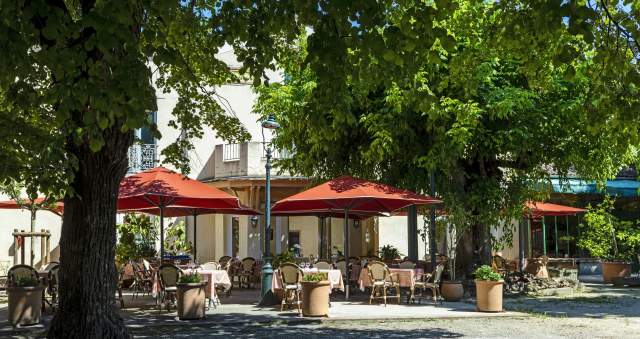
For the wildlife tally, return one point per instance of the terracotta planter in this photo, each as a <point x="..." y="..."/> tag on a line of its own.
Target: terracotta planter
<point x="191" y="300"/>
<point x="25" y="305"/>
<point x="611" y="270"/>
<point x="452" y="290"/>
<point x="489" y="296"/>
<point x="315" y="298"/>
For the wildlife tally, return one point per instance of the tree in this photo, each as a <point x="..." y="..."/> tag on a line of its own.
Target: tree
<point x="507" y="92"/>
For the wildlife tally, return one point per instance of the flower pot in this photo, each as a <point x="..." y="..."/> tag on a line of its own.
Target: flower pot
<point x="489" y="296"/>
<point x="190" y="299"/>
<point x="611" y="270"/>
<point x="315" y="298"/>
<point x="25" y="305"/>
<point x="452" y="290"/>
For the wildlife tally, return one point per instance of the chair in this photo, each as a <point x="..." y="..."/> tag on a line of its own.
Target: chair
<point x="382" y="280"/>
<point x="169" y="275"/>
<point x="342" y="266"/>
<point x="211" y="266"/>
<point x="407" y="264"/>
<point x="142" y="279"/>
<point x="323" y="265"/>
<point x="246" y="271"/>
<point x="499" y="264"/>
<point x="224" y="260"/>
<point x="53" y="284"/>
<point x="291" y="276"/>
<point x="20" y="272"/>
<point x="429" y="281"/>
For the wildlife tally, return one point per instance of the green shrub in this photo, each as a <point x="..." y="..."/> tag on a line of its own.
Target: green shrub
<point x="27" y="282"/>
<point x="485" y="273"/>
<point x="286" y="256"/>
<point x="389" y="253"/>
<point x="136" y="238"/>
<point x="191" y="278"/>
<point x="315" y="277"/>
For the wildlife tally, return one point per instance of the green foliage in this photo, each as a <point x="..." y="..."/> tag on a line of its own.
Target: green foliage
<point x="606" y="236"/>
<point x="191" y="278"/>
<point x="175" y="241"/>
<point x="315" y="277"/>
<point x="485" y="273"/>
<point x="389" y="253"/>
<point x="286" y="256"/>
<point x="136" y="238"/>
<point x="27" y="281"/>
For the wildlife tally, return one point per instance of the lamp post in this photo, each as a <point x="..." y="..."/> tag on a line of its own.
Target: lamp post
<point x="267" y="296"/>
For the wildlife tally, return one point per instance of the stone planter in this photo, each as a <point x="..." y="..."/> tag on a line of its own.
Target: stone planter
<point x="611" y="270"/>
<point x="489" y="296"/>
<point x="452" y="290"/>
<point x="25" y="305"/>
<point x="190" y="298"/>
<point x="315" y="298"/>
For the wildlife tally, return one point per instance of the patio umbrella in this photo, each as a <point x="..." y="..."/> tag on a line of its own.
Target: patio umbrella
<point x="161" y="188"/>
<point x="182" y="211"/>
<point x="351" y="196"/>
<point x="56" y="208"/>
<point x="538" y="209"/>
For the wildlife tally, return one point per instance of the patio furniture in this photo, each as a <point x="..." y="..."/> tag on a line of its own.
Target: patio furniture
<point x="291" y="277"/>
<point x="323" y="265"/>
<point x="224" y="260"/>
<point x="52" y="285"/>
<point x="342" y="266"/>
<point x="142" y="279"/>
<point x="246" y="271"/>
<point x="500" y="265"/>
<point x="169" y="275"/>
<point x="407" y="264"/>
<point x="381" y="281"/>
<point x="211" y="266"/>
<point x="431" y="282"/>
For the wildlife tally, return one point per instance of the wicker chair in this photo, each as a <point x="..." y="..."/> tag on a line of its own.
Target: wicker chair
<point x="53" y="285"/>
<point x="429" y="281"/>
<point x="142" y="279"/>
<point x="323" y="265"/>
<point x="211" y="266"/>
<point x="407" y="264"/>
<point x="18" y="272"/>
<point x="382" y="280"/>
<point x="246" y="271"/>
<point x="499" y="264"/>
<point x="291" y="276"/>
<point x="224" y="260"/>
<point x="169" y="275"/>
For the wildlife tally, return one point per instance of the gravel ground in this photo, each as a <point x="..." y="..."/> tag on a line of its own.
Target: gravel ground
<point x="526" y="327"/>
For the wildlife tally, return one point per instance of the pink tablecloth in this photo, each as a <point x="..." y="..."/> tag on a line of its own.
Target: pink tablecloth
<point x="213" y="278"/>
<point x="407" y="276"/>
<point x="334" y="276"/>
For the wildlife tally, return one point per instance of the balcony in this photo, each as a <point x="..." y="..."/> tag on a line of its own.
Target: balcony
<point x="239" y="160"/>
<point x="142" y="157"/>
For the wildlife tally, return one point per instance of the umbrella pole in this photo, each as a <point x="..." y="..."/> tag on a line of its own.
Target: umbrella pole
<point x="33" y="229"/>
<point x="346" y="251"/>
<point x="195" y="236"/>
<point x="161" y="234"/>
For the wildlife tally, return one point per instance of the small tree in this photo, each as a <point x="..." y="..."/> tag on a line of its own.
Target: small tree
<point x="136" y="238"/>
<point x="607" y="237"/>
<point x="176" y="240"/>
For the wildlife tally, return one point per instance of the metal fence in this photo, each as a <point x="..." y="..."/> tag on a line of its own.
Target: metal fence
<point x="142" y="157"/>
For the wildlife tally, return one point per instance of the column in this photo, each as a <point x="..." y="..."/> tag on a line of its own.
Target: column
<point x="412" y="232"/>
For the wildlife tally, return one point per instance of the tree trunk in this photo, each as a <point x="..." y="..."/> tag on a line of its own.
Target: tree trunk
<point x="88" y="274"/>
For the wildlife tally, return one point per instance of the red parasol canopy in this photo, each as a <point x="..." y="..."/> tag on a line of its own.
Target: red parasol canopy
<point x="538" y="209"/>
<point x="57" y="207"/>
<point x="181" y="211"/>
<point x="331" y="214"/>
<point x="354" y="195"/>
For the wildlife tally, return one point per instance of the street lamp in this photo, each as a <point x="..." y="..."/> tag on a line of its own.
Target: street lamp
<point x="268" y="298"/>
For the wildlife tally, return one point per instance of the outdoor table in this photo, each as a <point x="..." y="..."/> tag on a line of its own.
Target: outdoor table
<point x="334" y="277"/>
<point x="407" y="276"/>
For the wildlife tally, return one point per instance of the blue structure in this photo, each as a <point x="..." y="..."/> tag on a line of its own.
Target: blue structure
<point x="618" y="187"/>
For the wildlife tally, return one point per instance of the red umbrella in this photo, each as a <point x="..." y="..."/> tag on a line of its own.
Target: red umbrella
<point x="57" y="207"/>
<point x="331" y="214"/>
<point x="351" y="196"/>
<point x="538" y="209"/>
<point x="162" y="190"/>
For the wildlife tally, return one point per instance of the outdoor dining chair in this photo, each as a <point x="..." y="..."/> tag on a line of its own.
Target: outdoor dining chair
<point x="323" y="265"/>
<point x="429" y="281"/>
<point x="246" y="271"/>
<point x="381" y="281"/>
<point x="52" y="285"/>
<point x="169" y="275"/>
<point x="291" y="277"/>
<point x="142" y="279"/>
<point x="224" y="260"/>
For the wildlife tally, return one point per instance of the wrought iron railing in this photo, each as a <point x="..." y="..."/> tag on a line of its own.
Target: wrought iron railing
<point x="142" y="157"/>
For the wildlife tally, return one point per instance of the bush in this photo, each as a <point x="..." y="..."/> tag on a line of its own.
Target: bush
<point x="389" y="253"/>
<point x="485" y="273"/>
<point x="191" y="278"/>
<point x="286" y="256"/>
<point x="136" y="238"/>
<point x="175" y="242"/>
<point x="315" y="277"/>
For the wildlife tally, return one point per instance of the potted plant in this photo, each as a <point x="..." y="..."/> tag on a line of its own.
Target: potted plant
<point x="191" y="296"/>
<point x="488" y="290"/>
<point x="25" y="301"/>
<point x="315" y="295"/>
<point x="388" y="253"/>
<point x="610" y="239"/>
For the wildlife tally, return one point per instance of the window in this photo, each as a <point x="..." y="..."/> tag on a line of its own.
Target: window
<point x="230" y="152"/>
